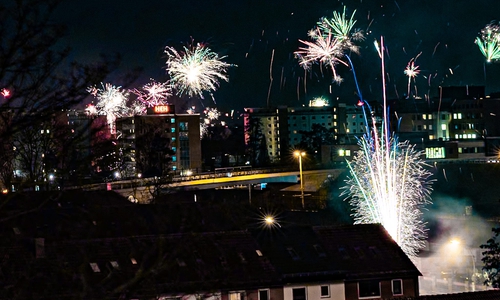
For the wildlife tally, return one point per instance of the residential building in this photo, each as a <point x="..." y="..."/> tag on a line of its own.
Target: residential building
<point x="100" y="255"/>
<point x="281" y="127"/>
<point x="159" y="140"/>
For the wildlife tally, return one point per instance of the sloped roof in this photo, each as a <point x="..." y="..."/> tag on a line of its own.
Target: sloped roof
<point x="140" y="266"/>
<point x="343" y="252"/>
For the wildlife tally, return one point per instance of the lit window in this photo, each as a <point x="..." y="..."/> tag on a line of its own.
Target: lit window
<point x="174" y="158"/>
<point x="172" y="130"/>
<point x="172" y="120"/>
<point x="443" y="126"/>
<point x="237" y="296"/>
<point x="341" y="152"/>
<point x="424" y="117"/>
<point x="95" y="267"/>
<point x="348" y="152"/>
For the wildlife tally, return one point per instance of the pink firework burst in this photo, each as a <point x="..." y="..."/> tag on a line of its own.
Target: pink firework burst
<point x="153" y="93"/>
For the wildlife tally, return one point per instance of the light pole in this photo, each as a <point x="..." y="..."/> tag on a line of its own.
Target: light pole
<point x="456" y="243"/>
<point x="300" y="154"/>
<point x="270" y="221"/>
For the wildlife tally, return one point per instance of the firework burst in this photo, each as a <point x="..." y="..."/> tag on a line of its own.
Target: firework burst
<point x="111" y="101"/>
<point x="324" y="49"/>
<point x="489" y="42"/>
<point x="411" y="71"/>
<point x="195" y="70"/>
<point x="342" y="28"/>
<point x="212" y="113"/>
<point x="153" y="93"/>
<point x="389" y="184"/>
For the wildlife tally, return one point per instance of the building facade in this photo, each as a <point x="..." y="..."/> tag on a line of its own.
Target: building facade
<point x="281" y="128"/>
<point x="159" y="142"/>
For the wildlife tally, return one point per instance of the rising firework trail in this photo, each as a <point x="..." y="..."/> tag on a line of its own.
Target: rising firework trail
<point x="111" y="102"/>
<point x="489" y="42"/>
<point x="389" y="183"/>
<point x="195" y="70"/>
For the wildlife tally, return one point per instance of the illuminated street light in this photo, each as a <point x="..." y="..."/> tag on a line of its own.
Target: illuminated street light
<point x="300" y="154"/>
<point x="271" y="221"/>
<point x="455" y="243"/>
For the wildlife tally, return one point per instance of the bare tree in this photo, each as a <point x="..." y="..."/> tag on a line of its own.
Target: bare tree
<point x="37" y="81"/>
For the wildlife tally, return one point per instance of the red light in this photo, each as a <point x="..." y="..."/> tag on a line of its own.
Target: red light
<point x="360" y="103"/>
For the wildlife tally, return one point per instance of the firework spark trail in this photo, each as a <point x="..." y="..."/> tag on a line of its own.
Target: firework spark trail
<point x="153" y="93"/>
<point x="196" y="70"/>
<point x="389" y="183"/>
<point x="489" y="42"/>
<point x="112" y="102"/>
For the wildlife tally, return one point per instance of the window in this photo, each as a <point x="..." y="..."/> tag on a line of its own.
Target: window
<point x="183" y="126"/>
<point x="299" y="294"/>
<point x="95" y="267"/>
<point x="237" y="296"/>
<point x="369" y="289"/>
<point x="263" y="294"/>
<point x="115" y="264"/>
<point x="325" y="291"/>
<point x="293" y="253"/>
<point x="397" y="287"/>
<point x="319" y="250"/>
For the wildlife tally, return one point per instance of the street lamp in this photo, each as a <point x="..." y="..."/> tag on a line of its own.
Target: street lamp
<point x="300" y="154"/>
<point x="455" y="243"/>
<point x="270" y="221"/>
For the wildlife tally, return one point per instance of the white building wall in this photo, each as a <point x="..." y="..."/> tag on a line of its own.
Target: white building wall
<point x="313" y="292"/>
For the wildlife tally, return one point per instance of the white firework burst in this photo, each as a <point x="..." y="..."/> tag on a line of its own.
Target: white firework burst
<point x="196" y="70"/>
<point x="111" y="101"/>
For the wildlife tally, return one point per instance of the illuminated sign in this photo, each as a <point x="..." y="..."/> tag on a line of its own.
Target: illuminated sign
<point x="162" y="109"/>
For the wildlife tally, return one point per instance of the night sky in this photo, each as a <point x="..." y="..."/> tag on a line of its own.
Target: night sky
<point x="250" y="32"/>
